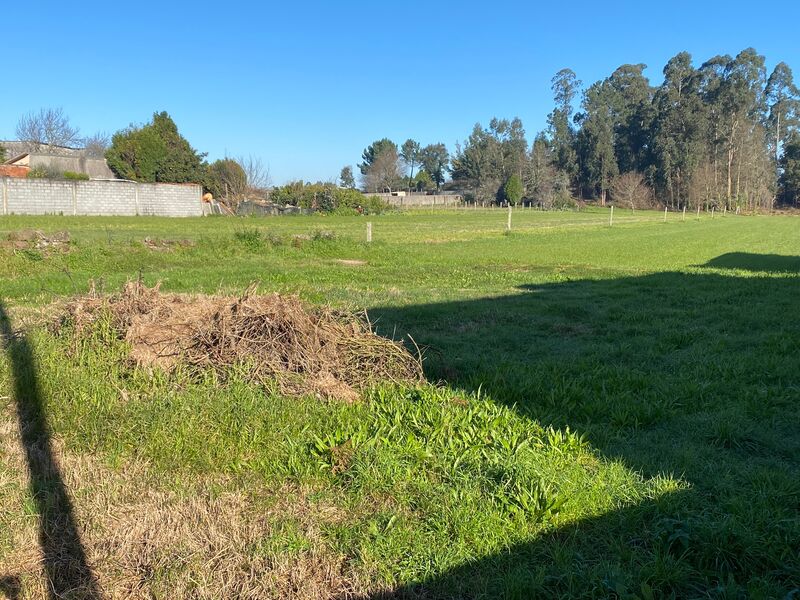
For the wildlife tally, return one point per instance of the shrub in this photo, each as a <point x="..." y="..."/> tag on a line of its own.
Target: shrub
<point x="326" y="197"/>
<point x="564" y="201"/>
<point x="512" y="190"/>
<point x="50" y="173"/>
<point x="38" y="173"/>
<point x="373" y="205"/>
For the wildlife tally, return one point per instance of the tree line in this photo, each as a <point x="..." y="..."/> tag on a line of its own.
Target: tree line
<point x="411" y="166"/>
<point x="724" y="133"/>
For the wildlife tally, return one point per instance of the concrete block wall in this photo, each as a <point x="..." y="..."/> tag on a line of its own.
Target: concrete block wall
<point x="37" y="197"/>
<point x="170" y="200"/>
<point x="99" y="197"/>
<point x="411" y="200"/>
<point x="112" y="198"/>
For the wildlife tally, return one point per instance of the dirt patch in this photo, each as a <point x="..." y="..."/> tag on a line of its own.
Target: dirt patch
<point x="275" y="338"/>
<point x="166" y="245"/>
<point x="35" y="239"/>
<point x="352" y="262"/>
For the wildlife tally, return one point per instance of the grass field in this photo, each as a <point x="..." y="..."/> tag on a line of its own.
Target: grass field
<point x="613" y="412"/>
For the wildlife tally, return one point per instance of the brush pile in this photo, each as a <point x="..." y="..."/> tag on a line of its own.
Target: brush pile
<point x="274" y="338"/>
<point x="35" y="239"/>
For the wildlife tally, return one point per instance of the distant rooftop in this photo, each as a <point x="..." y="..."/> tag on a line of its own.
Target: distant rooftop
<point x="17" y="148"/>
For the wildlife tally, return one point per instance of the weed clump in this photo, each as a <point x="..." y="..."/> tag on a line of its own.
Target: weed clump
<point x="273" y="338"/>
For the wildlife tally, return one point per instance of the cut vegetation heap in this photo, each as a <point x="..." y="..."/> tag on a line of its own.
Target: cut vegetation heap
<point x="275" y="338"/>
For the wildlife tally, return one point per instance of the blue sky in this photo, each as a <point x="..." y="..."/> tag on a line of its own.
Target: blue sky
<point x="307" y="85"/>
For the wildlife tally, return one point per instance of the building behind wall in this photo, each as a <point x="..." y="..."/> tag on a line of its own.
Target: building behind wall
<point x="23" y="157"/>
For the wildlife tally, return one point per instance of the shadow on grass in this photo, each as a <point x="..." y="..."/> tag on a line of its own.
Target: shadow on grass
<point x="68" y="573"/>
<point x="769" y="263"/>
<point x="11" y="587"/>
<point x="691" y="375"/>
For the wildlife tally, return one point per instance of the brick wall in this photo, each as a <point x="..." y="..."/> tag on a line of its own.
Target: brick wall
<point x="14" y="171"/>
<point x="42" y="196"/>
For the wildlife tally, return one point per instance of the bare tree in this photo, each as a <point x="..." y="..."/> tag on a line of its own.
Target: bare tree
<point x="257" y="175"/>
<point x="97" y="144"/>
<point x="384" y="172"/>
<point x="631" y="190"/>
<point x="48" y="126"/>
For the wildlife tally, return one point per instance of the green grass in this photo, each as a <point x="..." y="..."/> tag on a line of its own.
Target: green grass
<point x="615" y="411"/>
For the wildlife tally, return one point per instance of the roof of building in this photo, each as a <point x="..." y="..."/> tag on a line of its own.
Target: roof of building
<point x="16" y="148"/>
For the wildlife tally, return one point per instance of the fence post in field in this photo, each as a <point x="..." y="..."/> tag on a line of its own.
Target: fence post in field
<point x="508" y="225"/>
<point x="611" y="217"/>
<point x="713" y="208"/>
<point x="665" y="214"/>
<point x="683" y="218"/>
<point x="698" y="211"/>
<point x="369" y="231"/>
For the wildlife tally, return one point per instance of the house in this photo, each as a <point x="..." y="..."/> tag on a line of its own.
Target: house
<point x="22" y="157"/>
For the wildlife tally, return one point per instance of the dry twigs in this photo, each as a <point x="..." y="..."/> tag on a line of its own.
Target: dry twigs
<point x="276" y="338"/>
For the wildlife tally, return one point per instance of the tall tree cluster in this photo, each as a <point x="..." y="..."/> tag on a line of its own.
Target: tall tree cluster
<point x="724" y="133"/>
<point x="387" y="167"/>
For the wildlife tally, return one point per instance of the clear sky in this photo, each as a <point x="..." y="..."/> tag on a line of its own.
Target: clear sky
<point x="307" y="85"/>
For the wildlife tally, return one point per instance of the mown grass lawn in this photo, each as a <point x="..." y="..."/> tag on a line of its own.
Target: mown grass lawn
<point x="613" y="412"/>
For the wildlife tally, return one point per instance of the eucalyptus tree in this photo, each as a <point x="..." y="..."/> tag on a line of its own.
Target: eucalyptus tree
<point x="565" y="86"/>
<point x="630" y="100"/>
<point x="596" y="140"/>
<point x="435" y="160"/>
<point x="678" y="128"/>
<point x="789" y="183"/>
<point x="490" y="156"/>
<point x="473" y="163"/>
<point x="710" y="177"/>
<point x="783" y="99"/>
<point x="743" y="106"/>
<point x="410" y="153"/>
<point x="346" y="179"/>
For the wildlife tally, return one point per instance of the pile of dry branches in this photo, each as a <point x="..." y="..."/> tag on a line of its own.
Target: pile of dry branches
<point x="275" y="338"/>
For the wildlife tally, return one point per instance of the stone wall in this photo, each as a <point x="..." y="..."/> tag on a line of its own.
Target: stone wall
<point x="43" y="196"/>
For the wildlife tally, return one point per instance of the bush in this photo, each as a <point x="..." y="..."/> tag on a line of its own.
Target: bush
<point x="49" y="173"/>
<point x="326" y="197"/>
<point x="373" y="205"/>
<point x="512" y="190"/>
<point x="564" y="201"/>
<point x="39" y="173"/>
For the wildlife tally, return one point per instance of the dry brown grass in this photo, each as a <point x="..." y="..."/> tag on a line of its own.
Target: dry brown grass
<point x="145" y="541"/>
<point x="305" y="350"/>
